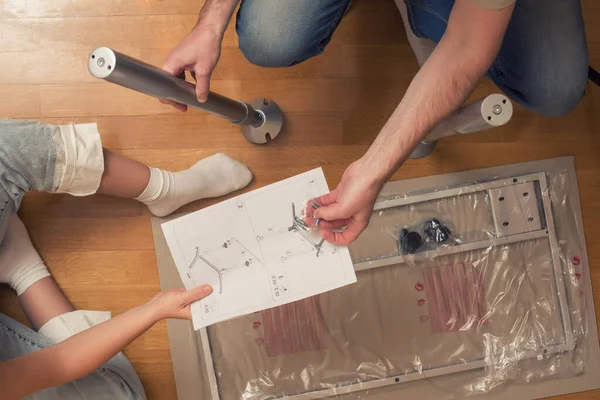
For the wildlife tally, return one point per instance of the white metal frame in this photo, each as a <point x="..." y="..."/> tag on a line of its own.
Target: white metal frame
<point x="548" y="232"/>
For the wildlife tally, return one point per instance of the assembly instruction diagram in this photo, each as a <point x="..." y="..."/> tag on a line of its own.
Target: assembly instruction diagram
<point x="256" y="251"/>
<point x="228" y="257"/>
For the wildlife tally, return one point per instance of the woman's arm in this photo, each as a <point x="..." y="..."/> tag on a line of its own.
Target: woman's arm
<point x="83" y="353"/>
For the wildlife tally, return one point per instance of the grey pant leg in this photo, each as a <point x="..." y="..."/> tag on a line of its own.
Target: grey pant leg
<point x="114" y="380"/>
<point x="27" y="156"/>
<point x="27" y="161"/>
<point x="47" y="158"/>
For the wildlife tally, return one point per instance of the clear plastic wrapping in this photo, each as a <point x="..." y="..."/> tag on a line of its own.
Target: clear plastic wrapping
<point x="489" y="292"/>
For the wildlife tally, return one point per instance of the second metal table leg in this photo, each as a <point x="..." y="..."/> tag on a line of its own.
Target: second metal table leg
<point x="488" y="112"/>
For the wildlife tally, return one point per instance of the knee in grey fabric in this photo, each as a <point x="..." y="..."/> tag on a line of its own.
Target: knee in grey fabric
<point x="27" y="156"/>
<point x="48" y="158"/>
<point x="27" y="161"/>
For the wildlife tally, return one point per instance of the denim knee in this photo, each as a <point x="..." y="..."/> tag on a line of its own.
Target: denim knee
<point x="267" y="49"/>
<point x="558" y="96"/>
<point x="274" y="33"/>
<point x="541" y="68"/>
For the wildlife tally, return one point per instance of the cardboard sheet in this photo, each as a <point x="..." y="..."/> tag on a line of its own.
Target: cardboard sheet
<point x="275" y="345"/>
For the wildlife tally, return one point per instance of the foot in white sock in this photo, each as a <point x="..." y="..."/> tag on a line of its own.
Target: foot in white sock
<point x="214" y="176"/>
<point x="20" y="263"/>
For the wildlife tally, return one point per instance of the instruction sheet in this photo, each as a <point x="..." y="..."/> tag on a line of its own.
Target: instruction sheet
<point x="256" y="252"/>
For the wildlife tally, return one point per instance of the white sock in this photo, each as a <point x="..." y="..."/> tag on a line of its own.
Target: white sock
<point x="211" y="177"/>
<point x="20" y="263"/>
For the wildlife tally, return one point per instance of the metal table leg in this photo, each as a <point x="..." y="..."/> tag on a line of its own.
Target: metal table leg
<point x="260" y="120"/>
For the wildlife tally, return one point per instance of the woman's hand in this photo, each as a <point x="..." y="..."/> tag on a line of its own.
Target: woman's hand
<point x="175" y="303"/>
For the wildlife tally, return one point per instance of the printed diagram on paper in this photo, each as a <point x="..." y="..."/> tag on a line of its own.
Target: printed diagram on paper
<point x="256" y="251"/>
<point x="228" y="257"/>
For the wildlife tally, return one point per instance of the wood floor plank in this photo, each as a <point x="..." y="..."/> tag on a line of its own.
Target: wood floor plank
<point x="90" y="234"/>
<point x="233" y="65"/>
<point x="19" y="101"/>
<point x="19" y="35"/>
<point x="524" y="127"/>
<point x="9" y="305"/>
<point x="100" y="250"/>
<point x="376" y="23"/>
<point x="588" y="5"/>
<point x="89" y="8"/>
<point x="592" y="28"/>
<point x="193" y="129"/>
<point x="64" y="66"/>
<point x="594" y="54"/>
<point x="337" y="61"/>
<point x="120" y="32"/>
<point x="106" y="99"/>
<point x="65" y="206"/>
<point x="103" y="268"/>
<point x="327" y="95"/>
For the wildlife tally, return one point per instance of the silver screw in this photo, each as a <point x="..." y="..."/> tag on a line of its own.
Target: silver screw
<point x="497" y="109"/>
<point x="101" y="62"/>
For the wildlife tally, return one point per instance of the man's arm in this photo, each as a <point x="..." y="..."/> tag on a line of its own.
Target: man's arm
<point x="200" y="51"/>
<point x="84" y="352"/>
<point x="216" y="14"/>
<point x="462" y="57"/>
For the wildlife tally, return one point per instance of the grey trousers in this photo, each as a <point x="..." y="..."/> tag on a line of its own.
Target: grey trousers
<point x="47" y="158"/>
<point x="60" y="159"/>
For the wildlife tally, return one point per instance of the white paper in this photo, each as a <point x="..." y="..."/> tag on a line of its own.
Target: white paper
<point x="254" y="253"/>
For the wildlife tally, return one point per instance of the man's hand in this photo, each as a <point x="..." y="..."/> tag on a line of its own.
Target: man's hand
<point x="349" y="205"/>
<point x="198" y="53"/>
<point x="466" y="51"/>
<point x="175" y="303"/>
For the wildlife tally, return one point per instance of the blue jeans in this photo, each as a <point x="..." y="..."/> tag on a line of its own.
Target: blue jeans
<point x="542" y="64"/>
<point x="115" y="380"/>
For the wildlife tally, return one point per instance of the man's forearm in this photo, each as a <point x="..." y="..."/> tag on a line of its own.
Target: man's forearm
<point x="75" y="357"/>
<point x="216" y="14"/>
<point x="437" y="90"/>
<point x="442" y="85"/>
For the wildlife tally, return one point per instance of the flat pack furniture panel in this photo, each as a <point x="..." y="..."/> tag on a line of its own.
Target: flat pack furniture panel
<point x="309" y="334"/>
